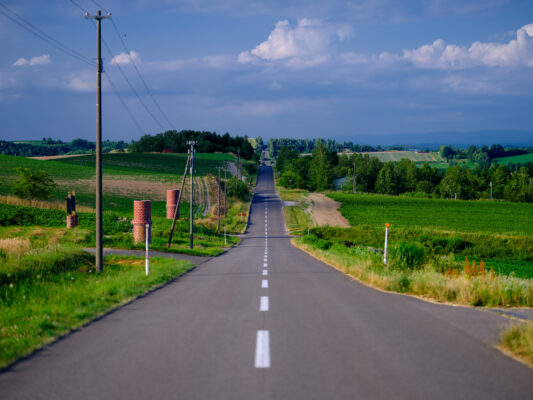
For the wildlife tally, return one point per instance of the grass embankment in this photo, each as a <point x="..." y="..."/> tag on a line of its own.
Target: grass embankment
<point x="45" y="292"/>
<point x="297" y="219"/>
<point x="424" y="280"/>
<point x="519" y="341"/>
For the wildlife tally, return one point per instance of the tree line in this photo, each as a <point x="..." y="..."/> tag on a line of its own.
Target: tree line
<point x="308" y="145"/>
<point x="318" y="172"/>
<point x="207" y="142"/>
<point x="483" y="156"/>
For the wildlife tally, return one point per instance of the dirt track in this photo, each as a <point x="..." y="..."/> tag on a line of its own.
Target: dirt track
<point x="325" y="211"/>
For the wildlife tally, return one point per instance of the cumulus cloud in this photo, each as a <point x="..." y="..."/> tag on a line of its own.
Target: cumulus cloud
<point x="125" y="58"/>
<point x="306" y="44"/>
<point x="439" y="55"/>
<point x="38" y="60"/>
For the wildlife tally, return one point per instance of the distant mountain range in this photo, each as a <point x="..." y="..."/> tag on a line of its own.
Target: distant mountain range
<point x="436" y="139"/>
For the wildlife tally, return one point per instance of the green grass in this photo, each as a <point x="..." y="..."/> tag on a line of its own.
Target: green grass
<point x="521" y="159"/>
<point x="385" y="156"/>
<point x="423" y="280"/>
<point x="499" y="233"/>
<point x="464" y="216"/>
<point x="151" y="163"/>
<point x="296" y="218"/>
<point x="72" y="174"/>
<point x="519" y="341"/>
<point x="37" y="310"/>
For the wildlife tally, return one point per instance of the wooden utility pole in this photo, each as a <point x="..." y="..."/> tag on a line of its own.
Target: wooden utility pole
<point x="226" y="191"/>
<point x="192" y="143"/>
<point x="99" y="249"/>
<point x="218" y="222"/>
<point x="177" y="210"/>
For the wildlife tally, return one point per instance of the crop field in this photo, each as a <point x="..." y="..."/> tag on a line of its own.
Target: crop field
<point x="500" y="233"/>
<point x="126" y="176"/>
<point x="385" y="156"/>
<point x="464" y="216"/>
<point x="522" y="159"/>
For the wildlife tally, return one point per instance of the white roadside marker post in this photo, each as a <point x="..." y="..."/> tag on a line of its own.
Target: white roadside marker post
<point x="386" y="242"/>
<point x="147" y="260"/>
<point x="225" y="238"/>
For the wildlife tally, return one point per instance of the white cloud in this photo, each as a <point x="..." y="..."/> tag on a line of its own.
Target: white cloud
<point x="125" y="58"/>
<point x="38" y="60"/>
<point x="81" y="82"/>
<point x="439" y="55"/>
<point x="306" y="44"/>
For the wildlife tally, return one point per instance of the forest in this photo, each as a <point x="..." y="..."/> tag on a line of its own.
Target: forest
<point x="207" y="142"/>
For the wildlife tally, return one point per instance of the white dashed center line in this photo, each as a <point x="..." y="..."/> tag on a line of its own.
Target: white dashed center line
<point x="264" y="284"/>
<point x="262" y="350"/>
<point x="264" y="303"/>
<point x="265" y="272"/>
<point x="265" y="265"/>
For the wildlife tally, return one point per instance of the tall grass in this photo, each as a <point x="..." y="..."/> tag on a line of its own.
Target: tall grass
<point x="519" y="340"/>
<point x="367" y="266"/>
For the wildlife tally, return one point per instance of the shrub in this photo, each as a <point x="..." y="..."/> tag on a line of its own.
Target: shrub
<point x="407" y="255"/>
<point x="33" y="185"/>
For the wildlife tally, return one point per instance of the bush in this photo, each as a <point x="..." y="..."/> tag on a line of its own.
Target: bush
<point x="407" y="255"/>
<point x="317" y="242"/>
<point x="33" y="185"/>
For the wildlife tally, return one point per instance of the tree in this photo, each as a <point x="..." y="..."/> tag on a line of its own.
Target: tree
<point x="387" y="180"/>
<point x="320" y="170"/>
<point x="447" y="152"/>
<point x="33" y="185"/>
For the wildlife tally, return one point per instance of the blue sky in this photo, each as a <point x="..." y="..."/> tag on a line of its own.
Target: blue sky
<point x="273" y="68"/>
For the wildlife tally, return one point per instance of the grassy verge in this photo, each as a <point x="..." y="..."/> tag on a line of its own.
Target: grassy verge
<point x="518" y="340"/>
<point x="59" y="290"/>
<point x="296" y="219"/>
<point x="367" y="266"/>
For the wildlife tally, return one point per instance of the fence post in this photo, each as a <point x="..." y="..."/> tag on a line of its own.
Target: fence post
<point x="147" y="263"/>
<point x="386" y="242"/>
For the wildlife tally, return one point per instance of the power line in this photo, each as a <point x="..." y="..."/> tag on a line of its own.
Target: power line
<point x="124" y="103"/>
<point x="99" y="5"/>
<point x="110" y="81"/>
<point x="121" y="70"/>
<point x="140" y="75"/>
<point x="132" y="87"/>
<point x="28" y="26"/>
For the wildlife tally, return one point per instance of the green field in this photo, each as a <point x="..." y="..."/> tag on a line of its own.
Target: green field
<point x="500" y="233"/>
<point x="521" y="159"/>
<point x="150" y="163"/>
<point x="463" y="216"/>
<point x="139" y="174"/>
<point x="385" y="156"/>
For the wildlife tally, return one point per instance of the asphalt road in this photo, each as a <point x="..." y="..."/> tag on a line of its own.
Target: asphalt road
<point x="267" y="321"/>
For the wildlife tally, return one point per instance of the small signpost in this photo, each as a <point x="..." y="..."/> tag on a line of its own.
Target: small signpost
<point x="386" y="242"/>
<point x="147" y="261"/>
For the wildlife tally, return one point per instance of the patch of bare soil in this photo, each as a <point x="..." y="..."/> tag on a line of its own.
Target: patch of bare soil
<point x="130" y="187"/>
<point x="325" y="211"/>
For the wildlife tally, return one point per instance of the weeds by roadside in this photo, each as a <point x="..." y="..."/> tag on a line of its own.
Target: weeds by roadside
<point x="519" y="340"/>
<point x="367" y="266"/>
